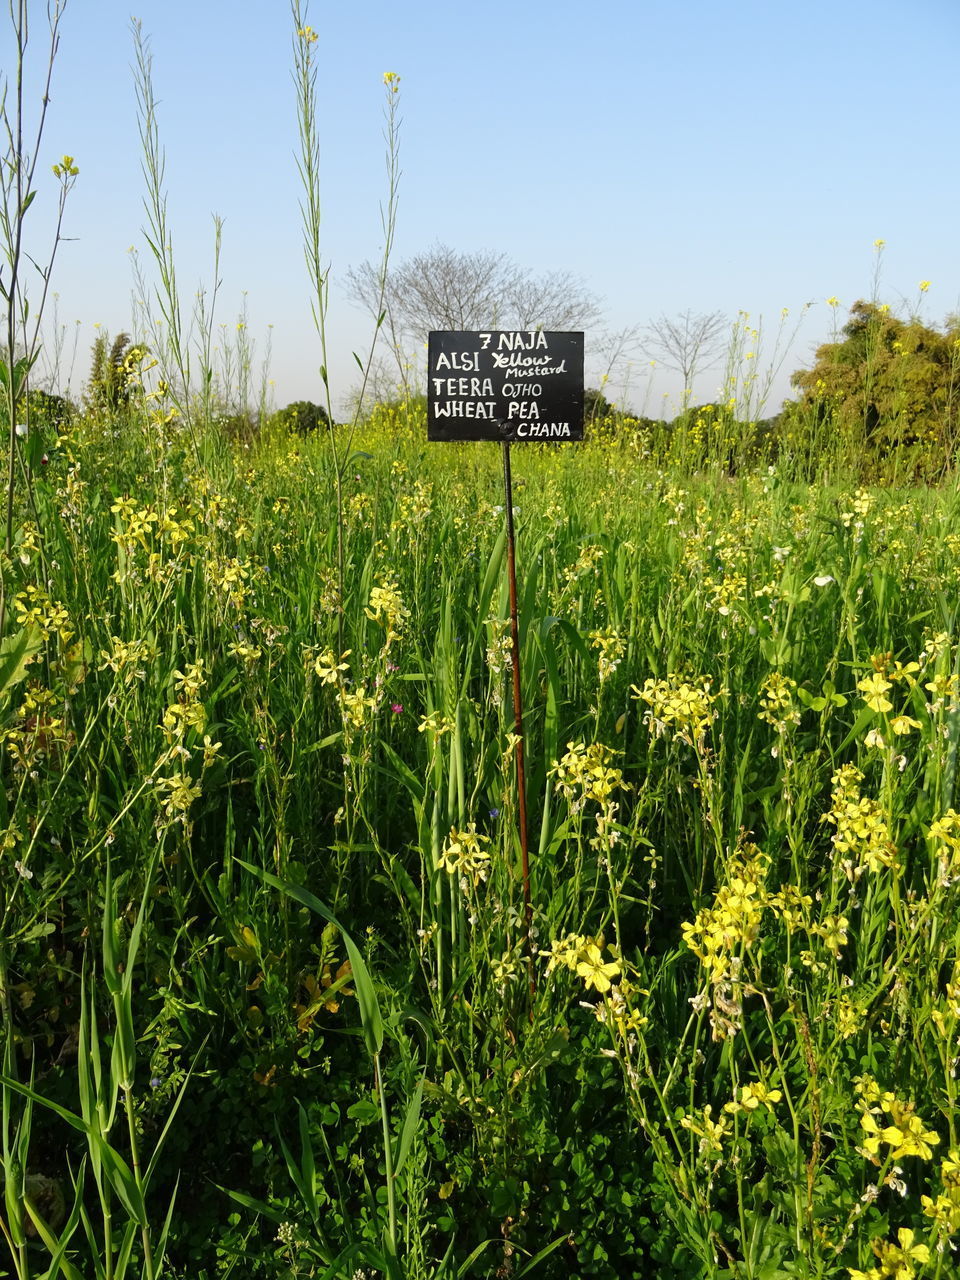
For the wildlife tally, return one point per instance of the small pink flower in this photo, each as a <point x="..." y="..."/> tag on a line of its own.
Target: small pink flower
<point x="396" y="708"/>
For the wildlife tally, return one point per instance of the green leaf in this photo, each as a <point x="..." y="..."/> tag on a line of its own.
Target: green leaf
<point x="544" y="1252"/>
<point x="23" y="366"/>
<point x="40" y="930"/>
<point x="469" y="1261"/>
<point x="34" y="447"/>
<point x="830" y="693"/>
<point x="411" y="1122"/>
<point x="57" y="1261"/>
<point x="354" y="1252"/>
<point x="14" y="1203"/>
<point x="85" y="1085"/>
<point x="364" y="1111"/>
<point x="56" y="1247"/>
<point x="123" y="1058"/>
<point x="16" y="653"/>
<point x="307" y="1163"/>
<point x="133" y="946"/>
<point x="323" y="743"/>
<point x="405" y="774"/>
<point x="259" y="1206"/>
<point x="71" y="1117"/>
<point x="160" y="1246"/>
<point x="111" y="973"/>
<point x="125" y="1251"/>
<point x="121" y="1179"/>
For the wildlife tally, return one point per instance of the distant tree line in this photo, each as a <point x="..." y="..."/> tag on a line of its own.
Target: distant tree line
<point x="882" y="400"/>
<point x="884" y="393"/>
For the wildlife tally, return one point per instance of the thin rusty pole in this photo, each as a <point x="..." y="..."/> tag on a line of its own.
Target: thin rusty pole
<point x="518" y="715"/>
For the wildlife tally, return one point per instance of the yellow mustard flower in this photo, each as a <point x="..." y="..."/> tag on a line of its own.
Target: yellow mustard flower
<point x="873" y="688"/>
<point x="463" y="854"/>
<point x="906" y="1136"/>
<point x="328" y="668"/>
<point x="902" y="725"/>
<point x="594" y="972"/>
<point x="752" y="1097"/>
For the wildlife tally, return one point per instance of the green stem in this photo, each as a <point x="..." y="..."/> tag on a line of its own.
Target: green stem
<point x="387" y="1157"/>
<point x="148" y="1268"/>
<point x="107" y="1232"/>
<point x="15" y="1236"/>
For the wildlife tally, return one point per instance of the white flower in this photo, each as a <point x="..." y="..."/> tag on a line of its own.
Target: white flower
<point x="823" y="580"/>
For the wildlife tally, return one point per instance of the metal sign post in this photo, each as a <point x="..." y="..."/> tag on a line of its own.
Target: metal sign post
<point x="508" y="386"/>
<point x="518" y="701"/>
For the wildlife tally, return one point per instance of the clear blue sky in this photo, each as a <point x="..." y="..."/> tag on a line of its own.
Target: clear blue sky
<point x="677" y="154"/>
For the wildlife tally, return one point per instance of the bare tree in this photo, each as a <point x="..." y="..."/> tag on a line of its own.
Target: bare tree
<point x="557" y="300"/>
<point x="687" y="343"/>
<point x="614" y="351"/>
<point x="444" y="289"/>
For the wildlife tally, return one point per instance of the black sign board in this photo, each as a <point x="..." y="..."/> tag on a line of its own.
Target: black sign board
<point x="505" y="385"/>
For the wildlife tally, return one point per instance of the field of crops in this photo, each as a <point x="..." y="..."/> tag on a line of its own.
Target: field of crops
<point x="270" y="1003"/>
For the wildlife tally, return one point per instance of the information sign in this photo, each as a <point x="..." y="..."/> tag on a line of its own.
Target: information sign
<point x="505" y="385"/>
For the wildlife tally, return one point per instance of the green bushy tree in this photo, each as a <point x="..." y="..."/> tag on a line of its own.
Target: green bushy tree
<point x="887" y="383"/>
<point x="49" y="410"/>
<point x="301" y="417"/>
